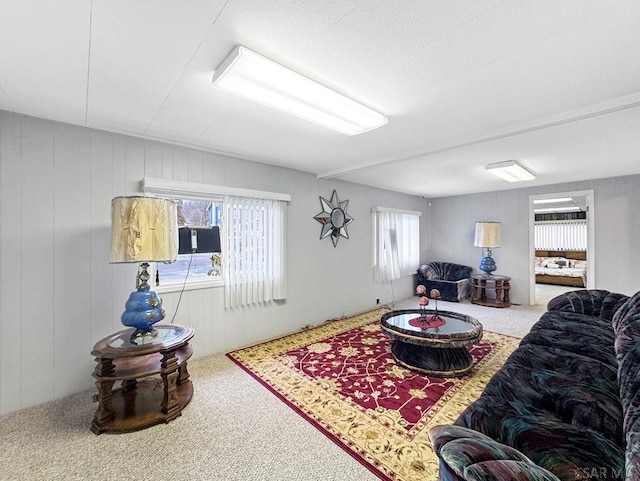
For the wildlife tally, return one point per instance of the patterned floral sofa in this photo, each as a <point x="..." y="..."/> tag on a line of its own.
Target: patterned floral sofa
<point x="452" y="280"/>
<point x="565" y="405"/>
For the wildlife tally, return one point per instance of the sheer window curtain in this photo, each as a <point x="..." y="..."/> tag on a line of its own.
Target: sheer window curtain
<point x="397" y="244"/>
<point x="561" y="235"/>
<point x="255" y="268"/>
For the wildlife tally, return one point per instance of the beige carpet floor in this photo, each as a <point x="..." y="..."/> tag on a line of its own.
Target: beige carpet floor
<point x="233" y="429"/>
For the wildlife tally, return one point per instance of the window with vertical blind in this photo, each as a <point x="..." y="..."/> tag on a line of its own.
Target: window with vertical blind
<point x="253" y="234"/>
<point x="396" y="243"/>
<point x="198" y="268"/>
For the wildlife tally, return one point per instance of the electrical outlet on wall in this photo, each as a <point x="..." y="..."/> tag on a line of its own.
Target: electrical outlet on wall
<point x="377" y="300"/>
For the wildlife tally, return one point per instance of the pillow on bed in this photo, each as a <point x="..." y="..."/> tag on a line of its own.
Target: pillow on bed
<point x="545" y="261"/>
<point x="580" y="264"/>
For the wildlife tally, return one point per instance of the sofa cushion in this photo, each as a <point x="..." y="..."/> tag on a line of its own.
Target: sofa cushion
<point x="559" y="447"/>
<point x="574" y="323"/>
<point x="557" y="359"/>
<point x="591" y="342"/>
<point x="591" y="302"/>
<point x="579" y="402"/>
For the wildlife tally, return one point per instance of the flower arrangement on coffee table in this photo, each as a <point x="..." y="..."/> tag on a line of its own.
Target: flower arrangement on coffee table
<point x="425" y="321"/>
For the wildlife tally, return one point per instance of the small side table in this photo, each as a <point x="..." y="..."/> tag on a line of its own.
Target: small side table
<point x="499" y="285"/>
<point x="144" y="399"/>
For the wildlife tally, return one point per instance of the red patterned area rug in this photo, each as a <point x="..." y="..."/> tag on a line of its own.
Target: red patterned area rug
<point x="341" y="377"/>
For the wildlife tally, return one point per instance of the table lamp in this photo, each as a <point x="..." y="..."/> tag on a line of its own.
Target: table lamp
<point x="143" y="229"/>
<point x="487" y="236"/>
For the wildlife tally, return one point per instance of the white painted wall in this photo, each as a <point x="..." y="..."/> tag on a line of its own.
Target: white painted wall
<point x="59" y="295"/>
<point x="617" y="231"/>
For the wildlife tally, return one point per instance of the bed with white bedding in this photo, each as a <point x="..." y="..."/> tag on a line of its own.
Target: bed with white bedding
<point x="564" y="268"/>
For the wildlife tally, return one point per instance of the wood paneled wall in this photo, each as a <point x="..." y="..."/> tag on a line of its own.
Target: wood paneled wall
<point x="59" y="294"/>
<point x="615" y="215"/>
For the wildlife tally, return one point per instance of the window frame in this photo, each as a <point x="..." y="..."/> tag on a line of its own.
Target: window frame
<point x="176" y="189"/>
<point x="197" y="282"/>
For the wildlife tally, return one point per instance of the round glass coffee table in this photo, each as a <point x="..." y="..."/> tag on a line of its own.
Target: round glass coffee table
<point x="430" y="342"/>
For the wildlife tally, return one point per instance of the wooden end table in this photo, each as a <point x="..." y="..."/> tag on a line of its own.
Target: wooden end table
<point x="144" y="399"/>
<point x="499" y="285"/>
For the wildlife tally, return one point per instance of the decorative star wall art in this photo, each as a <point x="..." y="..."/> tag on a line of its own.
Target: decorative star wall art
<point x="334" y="218"/>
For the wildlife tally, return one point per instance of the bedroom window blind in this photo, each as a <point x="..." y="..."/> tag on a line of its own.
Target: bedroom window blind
<point x="561" y="235"/>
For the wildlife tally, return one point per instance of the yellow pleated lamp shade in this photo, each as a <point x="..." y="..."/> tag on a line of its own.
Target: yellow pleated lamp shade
<point x="487" y="234"/>
<point x="143" y="229"/>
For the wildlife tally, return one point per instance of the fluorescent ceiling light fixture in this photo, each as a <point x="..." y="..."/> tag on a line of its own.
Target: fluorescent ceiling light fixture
<point x="557" y="209"/>
<point x="253" y="77"/>
<point x="557" y="200"/>
<point x="510" y="170"/>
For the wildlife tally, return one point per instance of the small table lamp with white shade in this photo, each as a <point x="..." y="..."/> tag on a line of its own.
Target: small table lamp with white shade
<point x="143" y="229"/>
<point x="487" y="236"/>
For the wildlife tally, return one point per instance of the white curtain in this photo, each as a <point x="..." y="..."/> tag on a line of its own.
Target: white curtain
<point x="255" y="268"/>
<point x="561" y="235"/>
<point x="397" y="244"/>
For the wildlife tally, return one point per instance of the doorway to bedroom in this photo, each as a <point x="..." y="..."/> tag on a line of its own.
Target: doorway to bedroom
<point x="561" y="239"/>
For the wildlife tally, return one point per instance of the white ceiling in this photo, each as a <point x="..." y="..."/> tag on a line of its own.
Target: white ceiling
<point x="554" y="84"/>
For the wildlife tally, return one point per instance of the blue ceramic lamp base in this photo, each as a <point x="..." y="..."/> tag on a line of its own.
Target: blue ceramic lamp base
<point x="143" y="308"/>
<point x="487" y="264"/>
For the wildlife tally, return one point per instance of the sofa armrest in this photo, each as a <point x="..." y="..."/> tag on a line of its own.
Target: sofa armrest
<point x="591" y="302"/>
<point x="507" y="470"/>
<point x="626" y="325"/>
<point x="473" y="456"/>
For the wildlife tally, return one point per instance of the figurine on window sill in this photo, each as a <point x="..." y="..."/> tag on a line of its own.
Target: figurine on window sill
<point x="216" y="265"/>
